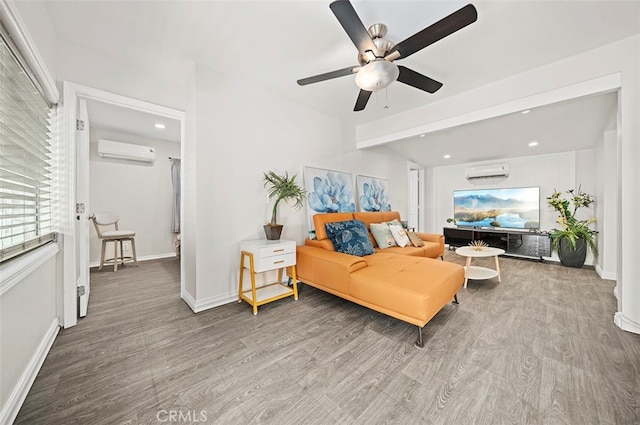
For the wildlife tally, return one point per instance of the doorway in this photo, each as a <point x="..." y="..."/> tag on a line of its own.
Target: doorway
<point x="416" y="196"/>
<point x="76" y="234"/>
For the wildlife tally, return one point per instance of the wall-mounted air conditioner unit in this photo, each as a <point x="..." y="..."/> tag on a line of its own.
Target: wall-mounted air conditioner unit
<point x="119" y="150"/>
<point x="486" y="171"/>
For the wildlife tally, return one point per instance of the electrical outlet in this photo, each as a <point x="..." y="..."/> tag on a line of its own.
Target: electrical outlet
<point x="126" y="246"/>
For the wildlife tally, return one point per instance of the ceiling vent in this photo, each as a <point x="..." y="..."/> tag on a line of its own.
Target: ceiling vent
<point x="487" y="171"/>
<point x="119" y="150"/>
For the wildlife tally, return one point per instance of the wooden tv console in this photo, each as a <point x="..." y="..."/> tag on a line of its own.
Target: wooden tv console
<point x="519" y="243"/>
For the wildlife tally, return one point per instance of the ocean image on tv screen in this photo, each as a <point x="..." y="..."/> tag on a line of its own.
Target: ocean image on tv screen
<point x="516" y="208"/>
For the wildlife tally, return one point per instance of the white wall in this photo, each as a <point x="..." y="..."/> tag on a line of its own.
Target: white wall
<point x="92" y="69"/>
<point x="141" y="194"/>
<point x="548" y="172"/>
<point x="585" y="178"/>
<point x="561" y="172"/>
<point x="28" y="325"/>
<point x="240" y="132"/>
<point x="606" y="176"/>
<point x="189" y="200"/>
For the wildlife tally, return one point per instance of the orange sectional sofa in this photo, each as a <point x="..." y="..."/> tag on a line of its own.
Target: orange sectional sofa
<point x="410" y="283"/>
<point x="433" y="243"/>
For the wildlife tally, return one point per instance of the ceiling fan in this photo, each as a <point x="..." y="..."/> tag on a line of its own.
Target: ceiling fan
<point x="376" y="54"/>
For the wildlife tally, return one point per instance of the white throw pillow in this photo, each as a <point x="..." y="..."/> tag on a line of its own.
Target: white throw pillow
<point x="382" y="234"/>
<point x="399" y="235"/>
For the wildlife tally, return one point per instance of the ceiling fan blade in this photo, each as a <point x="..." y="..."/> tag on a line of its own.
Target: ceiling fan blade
<point x="444" y="27"/>
<point x="353" y="26"/>
<point x="417" y="80"/>
<point x="328" y="75"/>
<point x="363" y="98"/>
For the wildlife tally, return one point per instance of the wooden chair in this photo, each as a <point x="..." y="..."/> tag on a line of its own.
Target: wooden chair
<point x="105" y="220"/>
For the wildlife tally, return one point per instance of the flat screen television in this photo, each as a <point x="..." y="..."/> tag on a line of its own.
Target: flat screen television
<point x="514" y="208"/>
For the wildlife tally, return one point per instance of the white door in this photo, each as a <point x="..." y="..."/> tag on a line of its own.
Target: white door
<point x="82" y="206"/>
<point x="414" y="199"/>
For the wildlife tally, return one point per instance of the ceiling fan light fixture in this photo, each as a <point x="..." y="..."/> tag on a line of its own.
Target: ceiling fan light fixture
<point x="377" y="75"/>
<point x="369" y="55"/>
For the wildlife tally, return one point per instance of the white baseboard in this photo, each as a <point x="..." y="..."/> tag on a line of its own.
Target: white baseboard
<point x="604" y="274"/>
<point x="207" y="303"/>
<point x="191" y="302"/>
<point x="10" y="410"/>
<point x="143" y="258"/>
<point x="625" y="323"/>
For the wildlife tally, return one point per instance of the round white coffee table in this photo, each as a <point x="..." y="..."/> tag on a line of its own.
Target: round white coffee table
<point x="477" y="273"/>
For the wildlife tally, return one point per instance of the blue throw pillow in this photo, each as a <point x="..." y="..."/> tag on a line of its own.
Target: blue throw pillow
<point x="350" y="237"/>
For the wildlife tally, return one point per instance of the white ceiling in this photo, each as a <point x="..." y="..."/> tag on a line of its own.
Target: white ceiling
<point x="117" y="118"/>
<point x="271" y="44"/>
<point x="561" y="127"/>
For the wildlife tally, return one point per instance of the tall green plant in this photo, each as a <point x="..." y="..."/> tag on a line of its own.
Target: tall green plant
<point x="572" y="228"/>
<point x="283" y="188"/>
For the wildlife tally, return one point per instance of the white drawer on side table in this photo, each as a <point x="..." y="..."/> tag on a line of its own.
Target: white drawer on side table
<point x="262" y="255"/>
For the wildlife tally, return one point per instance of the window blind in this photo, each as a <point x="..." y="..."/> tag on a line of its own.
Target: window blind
<point x="25" y="160"/>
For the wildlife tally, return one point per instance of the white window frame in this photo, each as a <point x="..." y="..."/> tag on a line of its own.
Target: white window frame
<point x="14" y="271"/>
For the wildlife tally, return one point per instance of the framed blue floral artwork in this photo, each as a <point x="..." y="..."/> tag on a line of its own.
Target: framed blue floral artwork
<point x="373" y="194"/>
<point x="328" y="192"/>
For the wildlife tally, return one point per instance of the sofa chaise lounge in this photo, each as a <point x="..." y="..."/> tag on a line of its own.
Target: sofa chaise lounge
<point x="408" y="283"/>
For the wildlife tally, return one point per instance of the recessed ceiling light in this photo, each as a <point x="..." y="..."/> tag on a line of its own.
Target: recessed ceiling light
<point x="422" y="135"/>
<point x="160" y="126"/>
<point x="526" y="111"/>
<point x="447" y="156"/>
<point x="534" y="143"/>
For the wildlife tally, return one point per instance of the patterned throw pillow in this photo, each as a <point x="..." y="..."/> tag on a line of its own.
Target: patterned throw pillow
<point x="350" y="237"/>
<point x="415" y="239"/>
<point x="399" y="235"/>
<point x="395" y="222"/>
<point x="382" y="235"/>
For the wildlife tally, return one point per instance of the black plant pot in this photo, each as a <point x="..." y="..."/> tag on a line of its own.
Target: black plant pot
<point x="572" y="257"/>
<point x="273" y="231"/>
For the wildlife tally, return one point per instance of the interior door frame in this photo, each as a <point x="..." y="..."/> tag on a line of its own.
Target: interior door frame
<point x="421" y="193"/>
<point x="71" y="93"/>
<point x="82" y="205"/>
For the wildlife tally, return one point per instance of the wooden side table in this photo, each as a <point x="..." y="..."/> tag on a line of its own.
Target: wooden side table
<point x="261" y="255"/>
<point x="479" y="273"/>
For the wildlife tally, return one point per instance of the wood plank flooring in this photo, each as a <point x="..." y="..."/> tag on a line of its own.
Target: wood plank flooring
<point x="538" y="348"/>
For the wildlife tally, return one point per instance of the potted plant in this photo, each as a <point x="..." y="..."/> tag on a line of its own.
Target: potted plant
<point x="574" y="236"/>
<point x="281" y="188"/>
